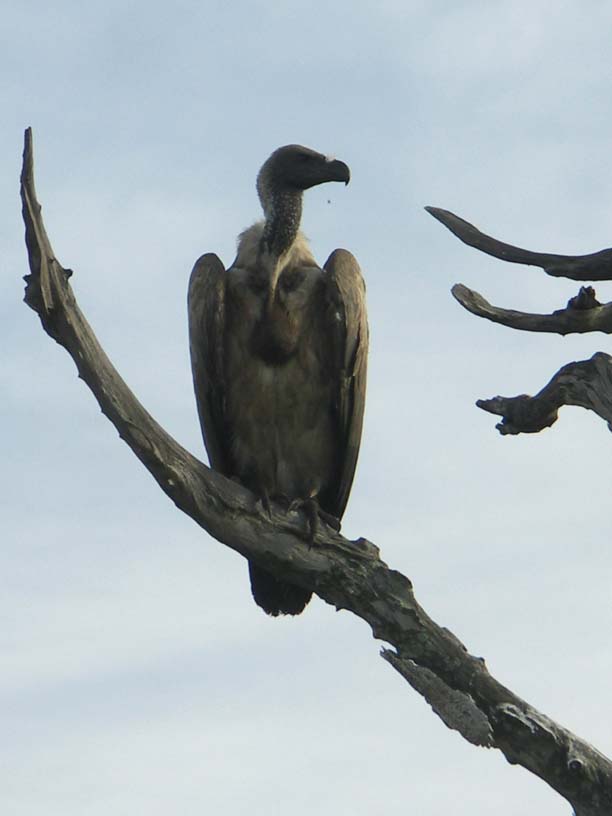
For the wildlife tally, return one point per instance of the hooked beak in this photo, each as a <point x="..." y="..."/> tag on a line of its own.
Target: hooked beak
<point x="338" y="170"/>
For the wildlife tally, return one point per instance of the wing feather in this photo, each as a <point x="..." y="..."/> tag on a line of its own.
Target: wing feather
<point x="206" y="311"/>
<point x="347" y="325"/>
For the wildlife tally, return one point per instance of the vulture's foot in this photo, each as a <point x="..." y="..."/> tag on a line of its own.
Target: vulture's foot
<point x="264" y="502"/>
<point x="311" y="507"/>
<point x="265" y="499"/>
<point x="314" y="514"/>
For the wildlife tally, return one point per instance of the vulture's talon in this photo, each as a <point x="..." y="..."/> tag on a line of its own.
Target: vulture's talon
<point x="331" y="520"/>
<point x="314" y="515"/>
<point x="264" y="504"/>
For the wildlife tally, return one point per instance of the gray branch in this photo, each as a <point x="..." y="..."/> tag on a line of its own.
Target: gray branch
<point x="594" y="267"/>
<point x="587" y="384"/>
<point x="582" y="314"/>
<point x="346" y="574"/>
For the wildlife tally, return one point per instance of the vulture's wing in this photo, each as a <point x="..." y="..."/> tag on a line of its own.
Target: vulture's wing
<point x="347" y="327"/>
<point x="206" y="310"/>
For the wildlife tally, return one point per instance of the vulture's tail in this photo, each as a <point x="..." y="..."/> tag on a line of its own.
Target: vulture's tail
<point x="277" y="597"/>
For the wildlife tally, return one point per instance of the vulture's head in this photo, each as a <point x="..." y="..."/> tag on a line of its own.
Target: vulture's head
<point x="294" y="167"/>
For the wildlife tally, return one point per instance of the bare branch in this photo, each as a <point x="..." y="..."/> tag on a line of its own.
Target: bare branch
<point x="587" y="384"/>
<point x="594" y="267"/>
<point x="346" y="574"/>
<point x="582" y="314"/>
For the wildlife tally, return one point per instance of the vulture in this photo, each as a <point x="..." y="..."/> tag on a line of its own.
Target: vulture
<point x="278" y="352"/>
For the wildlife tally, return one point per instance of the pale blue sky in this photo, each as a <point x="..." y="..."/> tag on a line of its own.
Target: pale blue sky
<point x="138" y="675"/>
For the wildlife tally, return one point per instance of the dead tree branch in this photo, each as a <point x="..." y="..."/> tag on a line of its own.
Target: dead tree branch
<point x="587" y="383"/>
<point x="347" y="574"/>
<point x="582" y="314"/>
<point x="594" y="267"/>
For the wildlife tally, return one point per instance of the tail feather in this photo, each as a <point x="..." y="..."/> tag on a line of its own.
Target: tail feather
<point x="277" y="597"/>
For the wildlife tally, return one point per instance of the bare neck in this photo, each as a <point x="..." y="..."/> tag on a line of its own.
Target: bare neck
<point x="282" y="208"/>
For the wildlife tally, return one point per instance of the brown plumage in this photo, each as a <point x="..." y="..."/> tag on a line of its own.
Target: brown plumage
<point x="278" y="350"/>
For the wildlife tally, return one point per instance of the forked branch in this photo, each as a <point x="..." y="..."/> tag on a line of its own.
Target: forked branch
<point x="582" y="314"/>
<point x="587" y="383"/>
<point x="346" y="574"/>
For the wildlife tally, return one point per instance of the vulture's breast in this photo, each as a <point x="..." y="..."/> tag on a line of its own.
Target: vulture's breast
<point x="279" y="392"/>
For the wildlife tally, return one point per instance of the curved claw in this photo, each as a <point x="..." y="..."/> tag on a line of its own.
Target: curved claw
<point x="315" y="514"/>
<point x="264" y="502"/>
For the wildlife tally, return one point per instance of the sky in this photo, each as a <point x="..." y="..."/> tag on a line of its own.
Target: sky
<point x="138" y="675"/>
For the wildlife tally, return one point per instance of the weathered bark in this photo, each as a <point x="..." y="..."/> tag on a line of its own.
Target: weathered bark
<point x="582" y="314"/>
<point x="587" y="383"/>
<point x="594" y="267"/>
<point x="346" y="574"/>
